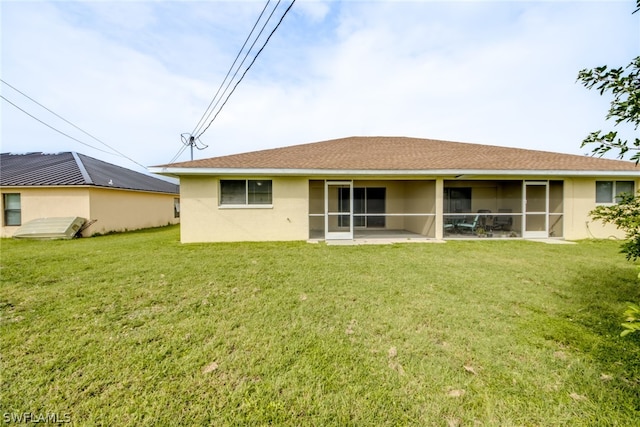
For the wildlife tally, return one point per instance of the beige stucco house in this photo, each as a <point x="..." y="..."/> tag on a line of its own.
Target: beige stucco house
<point x="376" y="187"/>
<point x="109" y="197"/>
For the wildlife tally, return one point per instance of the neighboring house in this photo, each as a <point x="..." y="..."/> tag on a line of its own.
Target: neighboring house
<point x="37" y="185"/>
<point x="389" y="186"/>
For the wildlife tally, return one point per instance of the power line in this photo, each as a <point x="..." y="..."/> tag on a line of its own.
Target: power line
<point x="51" y="127"/>
<point x="210" y="113"/>
<point x="68" y="122"/>
<point x="249" y="67"/>
<point x="206" y="113"/>
<point x="180" y="151"/>
<point x="198" y="131"/>
<point x="191" y="140"/>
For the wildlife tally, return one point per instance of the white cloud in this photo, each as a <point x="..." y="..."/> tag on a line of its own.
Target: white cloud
<point x="314" y="10"/>
<point x="136" y="75"/>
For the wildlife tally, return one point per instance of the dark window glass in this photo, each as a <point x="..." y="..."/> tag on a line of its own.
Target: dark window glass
<point x="260" y="192"/>
<point x="12" y="209"/>
<point x="176" y="208"/>
<point x="246" y="192"/>
<point x="610" y="191"/>
<point x="623" y="187"/>
<point x="604" y="192"/>
<point x="233" y="192"/>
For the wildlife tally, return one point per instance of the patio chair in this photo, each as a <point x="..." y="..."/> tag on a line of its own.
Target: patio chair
<point x="469" y="225"/>
<point x="503" y="222"/>
<point x="486" y="219"/>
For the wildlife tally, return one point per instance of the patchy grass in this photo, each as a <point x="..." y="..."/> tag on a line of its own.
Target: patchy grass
<point x="139" y="329"/>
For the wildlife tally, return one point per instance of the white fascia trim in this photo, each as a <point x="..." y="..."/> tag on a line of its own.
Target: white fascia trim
<point x="360" y="172"/>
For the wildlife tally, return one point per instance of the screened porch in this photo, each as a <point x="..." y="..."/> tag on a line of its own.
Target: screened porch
<point x="371" y="209"/>
<point x="351" y="209"/>
<point x="503" y="208"/>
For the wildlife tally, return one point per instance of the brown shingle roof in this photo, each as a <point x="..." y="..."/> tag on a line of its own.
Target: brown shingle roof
<point x="402" y="153"/>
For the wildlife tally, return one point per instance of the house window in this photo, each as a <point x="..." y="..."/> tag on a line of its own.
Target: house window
<point x="12" y="209"/>
<point x="246" y="192"/>
<point x="610" y="191"/>
<point x="176" y="208"/>
<point x="457" y="199"/>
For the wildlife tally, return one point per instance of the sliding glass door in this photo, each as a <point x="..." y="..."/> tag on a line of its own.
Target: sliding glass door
<point x="367" y="202"/>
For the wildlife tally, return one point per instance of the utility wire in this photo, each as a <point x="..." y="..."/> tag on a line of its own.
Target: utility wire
<point x="206" y="113"/>
<point x="210" y="113"/>
<point x="180" y="151"/>
<point x="51" y="127"/>
<point x="248" y="68"/>
<point x="193" y="136"/>
<point x="68" y="122"/>
<point x="193" y="141"/>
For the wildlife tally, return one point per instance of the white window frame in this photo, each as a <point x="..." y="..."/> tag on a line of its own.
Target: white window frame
<point x="6" y="209"/>
<point x="246" y="204"/>
<point x="176" y="207"/>
<point x="614" y="191"/>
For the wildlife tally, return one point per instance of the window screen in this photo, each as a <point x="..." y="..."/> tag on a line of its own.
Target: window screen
<point x="604" y="192"/>
<point x="176" y="208"/>
<point x="610" y="191"/>
<point x="259" y="192"/>
<point x="623" y="187"/>
<point x="233" y="192"/>
<point x="12" y="209"/>
<point x="246" y="192"/>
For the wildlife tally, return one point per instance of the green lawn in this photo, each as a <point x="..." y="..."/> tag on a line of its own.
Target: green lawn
<point x="138" y="329"/>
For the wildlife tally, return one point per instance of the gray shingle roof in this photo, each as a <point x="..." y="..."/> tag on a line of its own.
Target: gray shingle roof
<point x="402" y="153"/>
<point x="71" y="169"/>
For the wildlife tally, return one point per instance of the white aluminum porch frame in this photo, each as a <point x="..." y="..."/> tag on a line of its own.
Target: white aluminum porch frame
<point x="328" y="214"/>
<point x="541" y="214"/>
<point x="349" y="235"/>
<point x="527" y="214"/>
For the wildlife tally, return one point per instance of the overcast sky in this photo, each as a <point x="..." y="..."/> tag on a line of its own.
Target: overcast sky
<point x="137" y="75"/>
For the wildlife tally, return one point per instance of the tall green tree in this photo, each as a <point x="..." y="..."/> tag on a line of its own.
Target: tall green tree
<point x="624" y="84"/>
<point x="626" y="216"/>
